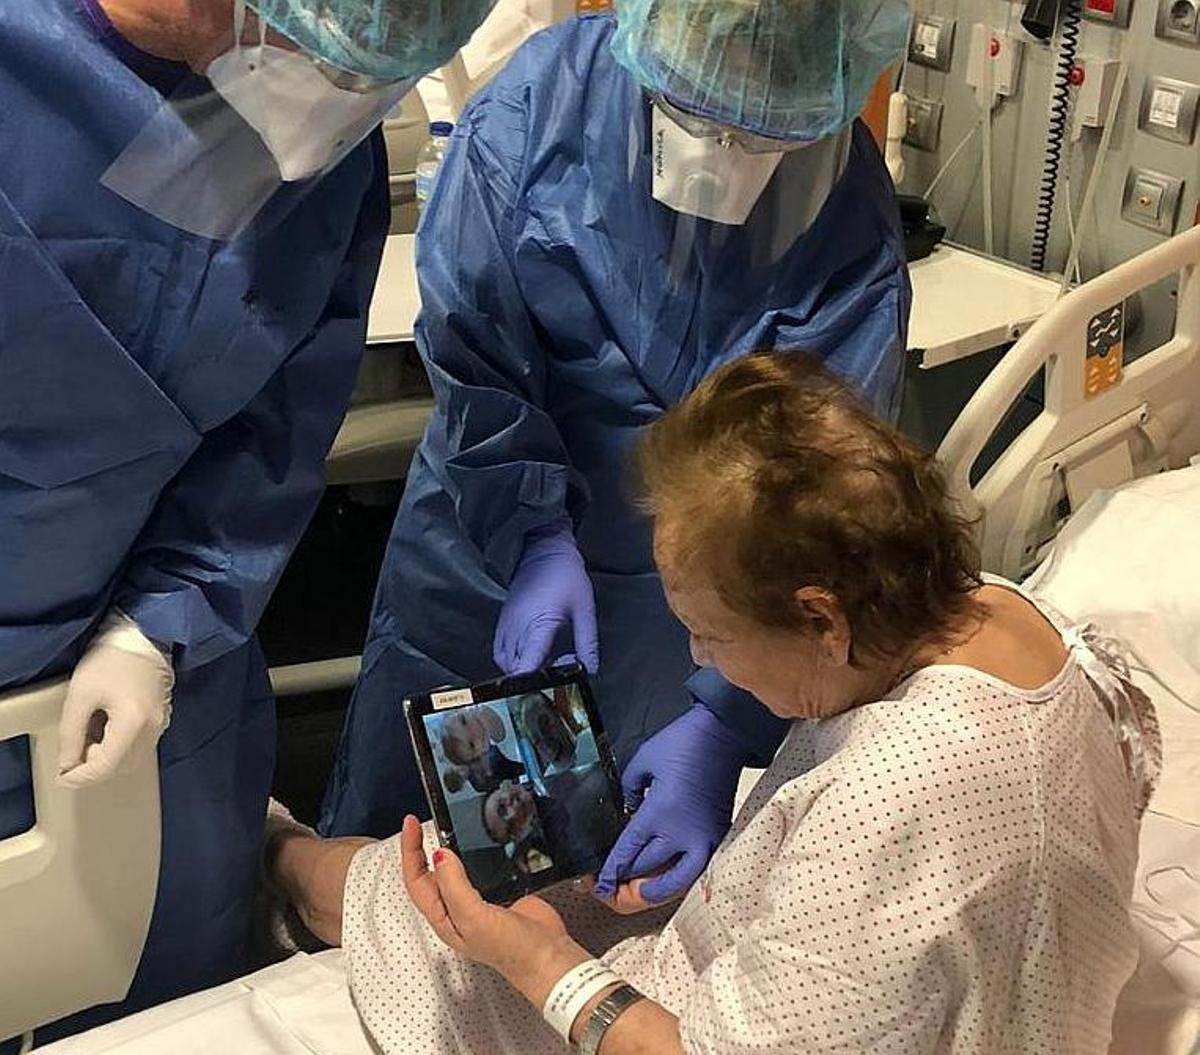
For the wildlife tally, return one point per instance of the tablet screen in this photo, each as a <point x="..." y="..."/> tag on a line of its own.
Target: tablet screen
<point x="523" y="784"/>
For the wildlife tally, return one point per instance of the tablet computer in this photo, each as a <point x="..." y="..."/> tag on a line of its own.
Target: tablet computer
<point x="520" y="777"/>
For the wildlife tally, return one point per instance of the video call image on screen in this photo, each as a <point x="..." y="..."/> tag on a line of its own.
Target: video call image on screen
<point x="524" y="786"/>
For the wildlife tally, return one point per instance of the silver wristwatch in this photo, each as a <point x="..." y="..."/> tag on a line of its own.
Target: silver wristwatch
<point x="605" y="1014"/>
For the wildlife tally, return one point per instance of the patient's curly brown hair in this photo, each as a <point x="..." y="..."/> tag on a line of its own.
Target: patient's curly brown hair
<point x="774" y="476"/>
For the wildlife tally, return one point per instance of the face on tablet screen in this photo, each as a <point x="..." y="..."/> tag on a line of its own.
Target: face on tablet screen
<point x="527" y="787"/>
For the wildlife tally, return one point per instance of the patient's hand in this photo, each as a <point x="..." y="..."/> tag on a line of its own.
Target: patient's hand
<point x="312" y="872"/>
<point x="527" y="943"/>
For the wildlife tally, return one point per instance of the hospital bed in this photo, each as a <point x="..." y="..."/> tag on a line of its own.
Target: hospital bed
<point x="1079" y="447"/>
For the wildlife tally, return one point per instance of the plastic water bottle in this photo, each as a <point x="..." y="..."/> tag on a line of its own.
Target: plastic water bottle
<point x="429" y="160"/>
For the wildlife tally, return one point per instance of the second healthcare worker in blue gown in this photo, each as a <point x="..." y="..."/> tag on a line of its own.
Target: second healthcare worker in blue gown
<point x="190" y="230"/>
<point x="630" y="203"/>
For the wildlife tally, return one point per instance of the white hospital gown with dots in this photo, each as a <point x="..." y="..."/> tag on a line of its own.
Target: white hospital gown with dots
<point x="945" y="870"/>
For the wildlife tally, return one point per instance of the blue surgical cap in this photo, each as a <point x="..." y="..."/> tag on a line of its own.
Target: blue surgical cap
<point x="789" y="69"/>
<point x="388" y="40"/>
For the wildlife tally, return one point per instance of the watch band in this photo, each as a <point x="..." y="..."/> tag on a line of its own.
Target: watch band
<point x="604" y="1015"/>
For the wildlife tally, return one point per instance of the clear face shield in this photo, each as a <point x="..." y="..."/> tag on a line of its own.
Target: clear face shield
<point x="747" y="93"/>
<point x="289" y="88"/>
<point x="718" y="197"/>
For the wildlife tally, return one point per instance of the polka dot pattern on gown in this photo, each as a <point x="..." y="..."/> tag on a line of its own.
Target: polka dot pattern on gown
<point x="416" y="997"/>
<point x="945" y="870"/>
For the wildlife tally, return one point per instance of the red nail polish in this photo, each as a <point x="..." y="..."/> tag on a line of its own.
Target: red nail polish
<point x="438" y="857"/>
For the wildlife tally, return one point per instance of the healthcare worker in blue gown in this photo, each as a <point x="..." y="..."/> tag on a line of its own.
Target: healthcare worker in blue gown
<point x="191" y="221"/>
<point x="630" y="203"/>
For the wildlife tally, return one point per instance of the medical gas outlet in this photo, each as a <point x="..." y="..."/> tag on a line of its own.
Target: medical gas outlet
<point x="1152" y="199"/>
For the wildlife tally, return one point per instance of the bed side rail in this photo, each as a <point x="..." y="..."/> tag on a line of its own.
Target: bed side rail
<point x="1102" y="424"/>
<point x="77" y="889"/>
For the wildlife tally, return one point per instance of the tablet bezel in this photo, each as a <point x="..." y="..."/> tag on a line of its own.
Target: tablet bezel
<point x="418" y="706"/>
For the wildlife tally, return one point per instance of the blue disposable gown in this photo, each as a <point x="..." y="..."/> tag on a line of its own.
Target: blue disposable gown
<point x="166" y="403"/>
<point x="555" y="325"/>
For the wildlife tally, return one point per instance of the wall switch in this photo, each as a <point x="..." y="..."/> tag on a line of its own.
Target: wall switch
<point x="1112" y="12"/>
<point x="1169" y="108"/>
<point x="931" y="42"/>
<point x="1003" y="52"/>
<point x="924" y="123"/>
<point x="1152" y="199"/>
<point x="1178" y="20"/>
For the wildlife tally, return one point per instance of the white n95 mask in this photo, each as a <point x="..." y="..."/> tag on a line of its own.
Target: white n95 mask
<point x="711" y="176"/>
<point x="306" y="121"/>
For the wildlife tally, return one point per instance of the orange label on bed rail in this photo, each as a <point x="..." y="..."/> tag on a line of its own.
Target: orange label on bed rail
<point x="1105" y="350"/>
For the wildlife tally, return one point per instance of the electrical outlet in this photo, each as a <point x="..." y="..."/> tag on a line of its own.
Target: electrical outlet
<point x="1152" y="199"/>
<point x="924" y="123"/>
<point x="1178" y="20"/>
<point x="1168" y="109"/>
<point x="931" y="42"/>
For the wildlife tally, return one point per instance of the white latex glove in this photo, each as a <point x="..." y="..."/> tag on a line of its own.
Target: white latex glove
<point x="118" y="703"/>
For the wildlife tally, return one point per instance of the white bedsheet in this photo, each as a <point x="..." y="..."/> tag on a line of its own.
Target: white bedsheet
<point x="299" y="1007"/>
<point x="1123" y="562"/>
<point x="1159" y="1010"/>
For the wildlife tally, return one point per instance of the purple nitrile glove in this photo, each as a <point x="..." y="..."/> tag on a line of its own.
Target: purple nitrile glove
<point x="688" y="773"/>
<point x="549" y="591"/>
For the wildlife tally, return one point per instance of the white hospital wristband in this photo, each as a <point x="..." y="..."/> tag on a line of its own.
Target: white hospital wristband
<point x="572" y="992"/>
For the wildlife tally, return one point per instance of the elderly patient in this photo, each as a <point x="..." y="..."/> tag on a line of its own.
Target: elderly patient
<point x="939" y="857"/>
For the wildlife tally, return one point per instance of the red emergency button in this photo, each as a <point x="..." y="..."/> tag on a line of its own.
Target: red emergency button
<point x="1102" y="7"/>
<point x="993" y="47"/>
